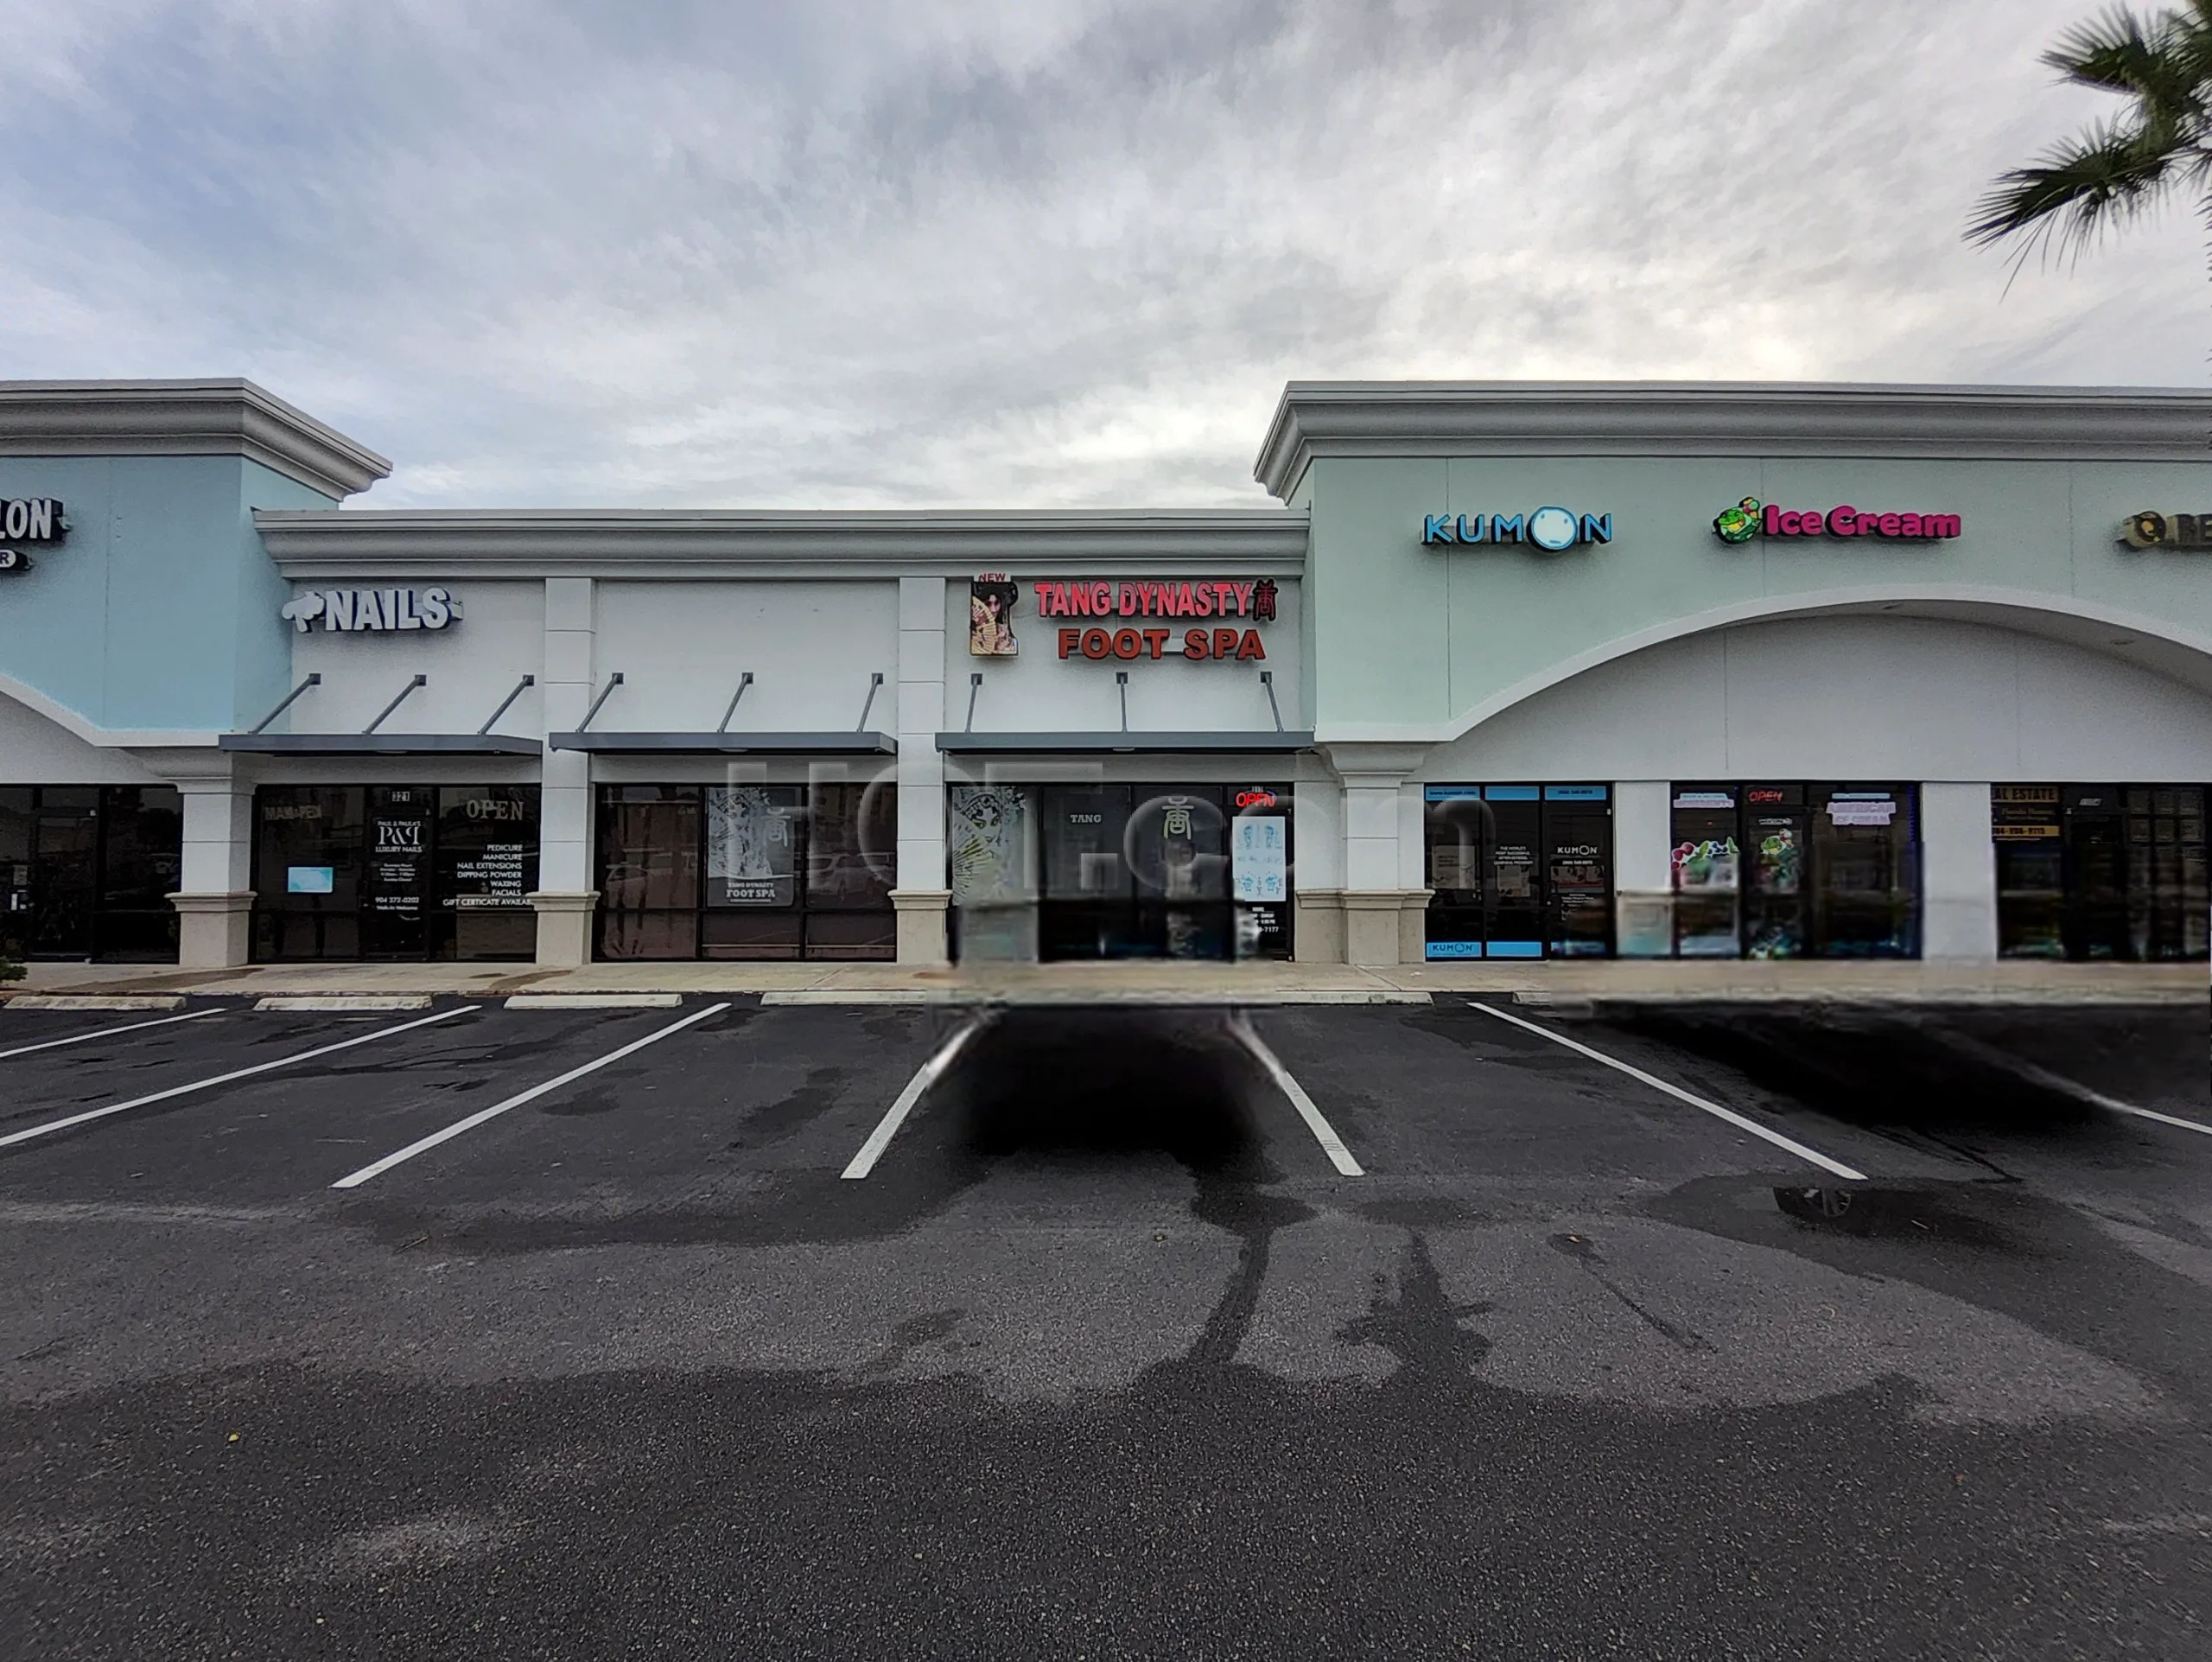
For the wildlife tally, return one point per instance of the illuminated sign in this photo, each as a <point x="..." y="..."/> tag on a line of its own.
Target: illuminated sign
<point x="1197" y="644"/>
<point x="2167" y="530"/>
<point x="28" y="519"/>
<point x="1259" y="798"/>
<point x="371" y="608"/>
<point x="1548" y="528"/>
<point x="1752" y="518"/>
<point x="1167" y="598"/>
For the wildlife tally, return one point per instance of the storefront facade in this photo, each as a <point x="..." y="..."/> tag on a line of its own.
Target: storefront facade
<point x="1514" y="672"/>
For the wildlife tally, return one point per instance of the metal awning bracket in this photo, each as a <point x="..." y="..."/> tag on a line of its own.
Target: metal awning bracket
<point x="875" y="680"/>
<point x="974" y="686"/>
<point x="314" y="679"/>
<point x="743" y="682"/>
<point x="526" y="681"/>
<point x="420" y="680"/>
<point x="604" y="693"/>
<point x="1267" y="680"/>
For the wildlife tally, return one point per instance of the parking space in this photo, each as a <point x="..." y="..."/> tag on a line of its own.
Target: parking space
<point x="692" y="1110"/>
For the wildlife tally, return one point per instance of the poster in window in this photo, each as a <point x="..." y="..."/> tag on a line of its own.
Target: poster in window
<point x="751" y="853"/>
<point x="1259" y="859"/>
<point x="991" y="600"/>
<point x="989" y="845"/>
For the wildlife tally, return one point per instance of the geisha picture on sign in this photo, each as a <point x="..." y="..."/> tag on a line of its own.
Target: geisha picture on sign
<point x="991" y="600"/>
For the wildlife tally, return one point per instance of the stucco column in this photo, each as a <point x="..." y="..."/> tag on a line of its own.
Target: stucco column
<point x="566" y="892"/>
<point x="1318" y="881"/>
<point x="1375" y="893"/>
<point x="1958" y="874"/>
<point x="1643" y="869"/>
<point x="921" y="896"/>
<point x="214" y="896"/>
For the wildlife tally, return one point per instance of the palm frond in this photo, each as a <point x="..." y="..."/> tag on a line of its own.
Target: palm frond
<point x="2112" y="175"/>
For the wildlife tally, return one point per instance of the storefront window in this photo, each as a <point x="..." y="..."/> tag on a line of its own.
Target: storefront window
<point x="87" y="871"/>
<point x="1866" y="847"/>
<point x="748" y="871"/>
<point x="1518" y="870"/>
<point x="2099" y="871"/>
<point x="395" y="871"/>
<point x="1774" y="870"/>
<point x="1181" y="871"/>
<point x="1705" y="860"/>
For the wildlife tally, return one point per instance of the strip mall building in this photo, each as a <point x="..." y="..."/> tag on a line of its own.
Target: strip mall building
<point x="1513" y="671"/>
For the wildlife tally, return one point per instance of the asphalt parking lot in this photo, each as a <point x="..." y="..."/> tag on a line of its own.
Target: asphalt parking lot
<point x="835" y="1331"/>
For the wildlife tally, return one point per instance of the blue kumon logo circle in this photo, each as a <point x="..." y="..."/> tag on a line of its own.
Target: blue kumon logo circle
<point x="1552" y="528"/>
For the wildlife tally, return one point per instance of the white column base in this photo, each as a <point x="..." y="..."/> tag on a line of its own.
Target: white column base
<point x="922" y="941"/>
<point x="1377" y="923"/>
<point x="214" y="930"/>
<point x="564" y="920"/>
<point x="1319" y="937"/>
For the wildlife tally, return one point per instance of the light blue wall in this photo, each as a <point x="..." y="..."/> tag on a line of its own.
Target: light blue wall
<point x="160" y="607"/>
<point x="1408" y="634"/>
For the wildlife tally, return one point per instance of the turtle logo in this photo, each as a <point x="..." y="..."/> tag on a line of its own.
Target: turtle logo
<point x="1740" y="524"/>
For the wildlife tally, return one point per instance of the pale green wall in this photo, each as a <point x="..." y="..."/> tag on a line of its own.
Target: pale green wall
<point x="1411" y="635"/>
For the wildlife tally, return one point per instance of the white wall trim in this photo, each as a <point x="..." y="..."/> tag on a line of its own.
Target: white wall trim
<point x="2150" y="643"/>
<point x="107" y="738"/>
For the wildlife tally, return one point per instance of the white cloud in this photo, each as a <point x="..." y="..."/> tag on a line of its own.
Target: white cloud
<point x="867" y="253"/>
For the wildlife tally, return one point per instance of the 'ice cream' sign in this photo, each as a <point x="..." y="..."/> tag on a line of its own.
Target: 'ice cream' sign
<point x="1752" y="517"/>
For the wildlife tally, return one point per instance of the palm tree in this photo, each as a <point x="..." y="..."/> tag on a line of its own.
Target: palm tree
<point x="2117" y="171"/>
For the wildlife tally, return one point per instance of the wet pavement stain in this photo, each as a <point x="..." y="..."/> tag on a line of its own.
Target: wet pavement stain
<point x="1422" y="1328"/>
<point x="1584" y="1251"/>
<point x="777" y="1121"/>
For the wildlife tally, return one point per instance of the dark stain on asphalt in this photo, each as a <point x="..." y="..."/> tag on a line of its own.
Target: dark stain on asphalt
<point x="1240" y="1207"/>
<point x="1997" y="1246"/>
<point x="566" y="1105"/>
<point x="1584" y="1251"/>
<point x="775" y="1121"/>
<point x="1422" y="1328"/>
<point x="913" y="1335"/>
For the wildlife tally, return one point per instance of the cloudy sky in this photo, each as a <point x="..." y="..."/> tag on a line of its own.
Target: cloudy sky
<point x="1018" y="253"/>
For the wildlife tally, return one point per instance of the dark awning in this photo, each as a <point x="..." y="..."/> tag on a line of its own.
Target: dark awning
<point x="729" y="744"/>
<point x="1256" y="742"/>
<point x="380" y="744"/>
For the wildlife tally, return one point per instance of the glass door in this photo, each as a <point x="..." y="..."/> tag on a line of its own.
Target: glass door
<point x="1865" y="873"/>
<point x="1513" y="907"/>
<point x="1777" y="833"/>
<point x="1177" y="845"/>
<point x="64" y="857"/>
<point x="396" y="880"/>
<point x="1705" y="859"/>
<point x="2097" y="921"/>
<point x="1577" y="870"/>
<point x="1089" y="908"/>
<point x="1452" y="835"/>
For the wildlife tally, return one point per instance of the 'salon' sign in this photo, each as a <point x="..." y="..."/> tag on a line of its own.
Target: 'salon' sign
<point x="372" y="608"/>
<point x="28" y="519"/>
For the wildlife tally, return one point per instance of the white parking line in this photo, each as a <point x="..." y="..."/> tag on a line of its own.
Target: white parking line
<point x="355" y="1180"/>
<point x="2066" y="1087"/>
<point x="102" y="1033"/>
<point x="225" y="1079"/>
<point x="1323" y="1133"/>
<point x="925" y="1076"/>
<point x="1680" y="1095"/>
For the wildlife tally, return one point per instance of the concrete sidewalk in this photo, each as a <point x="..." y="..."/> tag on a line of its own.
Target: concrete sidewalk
<point x="1155" y="981"/>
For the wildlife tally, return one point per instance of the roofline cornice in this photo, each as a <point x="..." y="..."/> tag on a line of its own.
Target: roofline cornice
<point x="214" y="418"/>
<point x="829" y="544"/>
<point x="1747" y="419"/>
